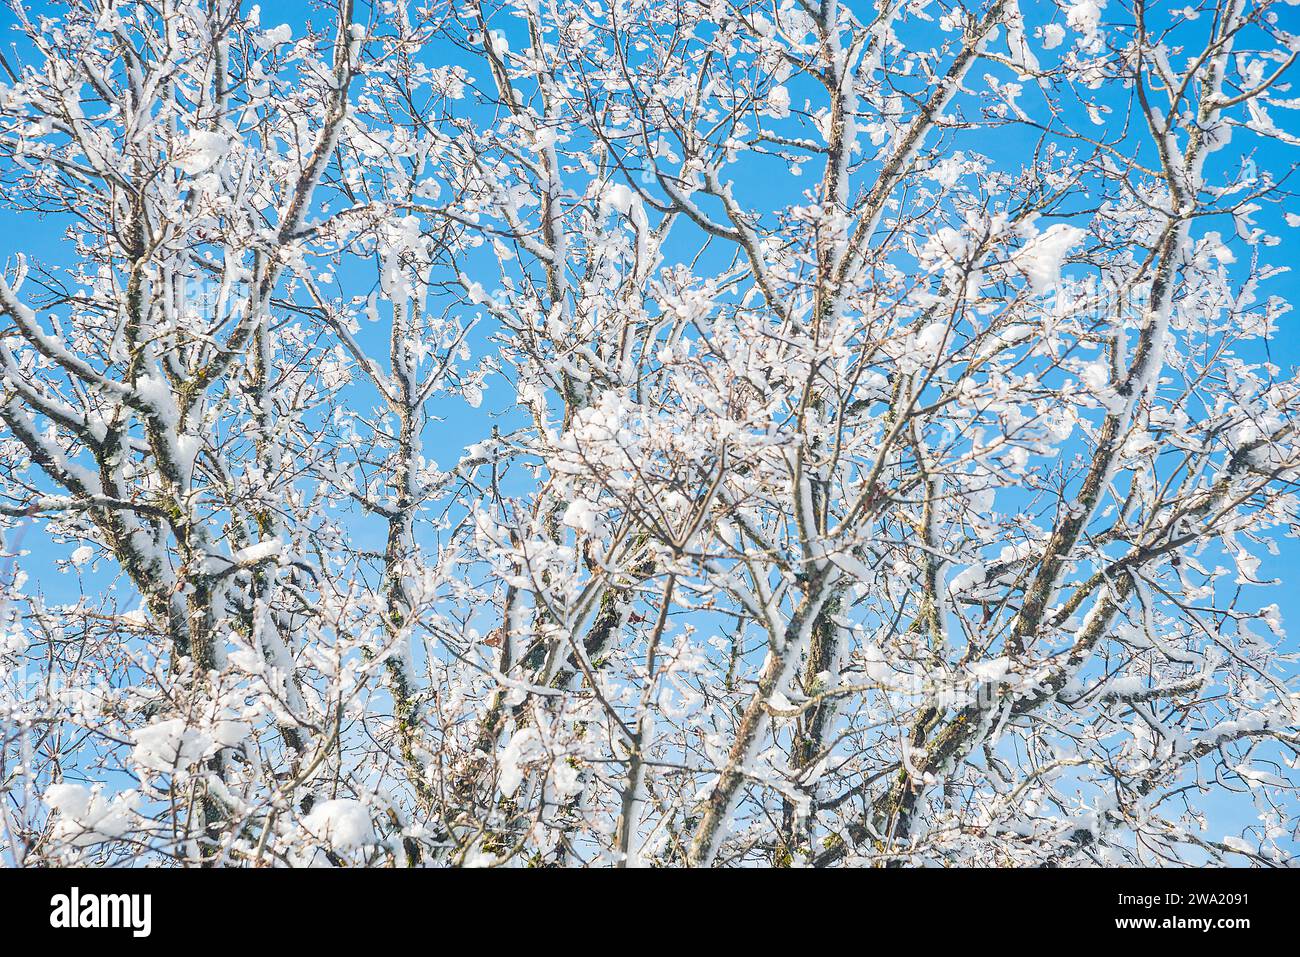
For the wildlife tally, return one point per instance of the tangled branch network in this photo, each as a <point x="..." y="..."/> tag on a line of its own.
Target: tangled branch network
<point x="640" y="433"/>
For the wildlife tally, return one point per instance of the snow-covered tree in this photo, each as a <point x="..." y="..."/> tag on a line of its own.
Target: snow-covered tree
<point x="630" y="433"/>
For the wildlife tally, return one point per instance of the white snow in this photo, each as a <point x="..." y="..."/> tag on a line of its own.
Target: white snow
<point x="1040" y="259"/>
<point x="1084" y="16"/>
<point x="269" y="38"/>
<point x="70" y="799"/>
<point x="341" y="822"/>
<point x="619" y="197"/>
<point x="511" y="758"/>
<point x="258" y="552"/>
<point x="170" y="745"/>
<point x="584" y="516"/>
<point x="991" y="671"/>
<point x="1017" y="44"/>
<point x="968" y="577"/>
<point x="200" y="151"/>
<point x="778" y="101"/>
<point x="86" y="816"/>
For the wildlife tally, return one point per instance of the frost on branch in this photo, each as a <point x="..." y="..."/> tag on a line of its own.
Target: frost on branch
<point x="501" y="434"/>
